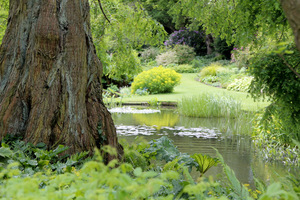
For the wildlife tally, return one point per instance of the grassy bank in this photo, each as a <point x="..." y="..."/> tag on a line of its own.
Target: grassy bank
<point x="190" y="87"/>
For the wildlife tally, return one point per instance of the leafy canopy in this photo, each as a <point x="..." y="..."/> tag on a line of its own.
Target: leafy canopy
<point x="130" y="28"/>
<point x="238" y="21"/>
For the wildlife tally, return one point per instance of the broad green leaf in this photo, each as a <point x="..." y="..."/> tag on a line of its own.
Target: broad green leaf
<point x="138" y="171"/>
<point x="5" y="152"/>
<point x="205" y="162"/>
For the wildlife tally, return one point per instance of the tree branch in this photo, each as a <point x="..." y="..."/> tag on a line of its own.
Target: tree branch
<point x="289" y="66"/>
<point x="103" y="11"/>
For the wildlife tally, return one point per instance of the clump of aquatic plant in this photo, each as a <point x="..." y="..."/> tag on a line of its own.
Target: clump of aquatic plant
<point x="209" y="105"/>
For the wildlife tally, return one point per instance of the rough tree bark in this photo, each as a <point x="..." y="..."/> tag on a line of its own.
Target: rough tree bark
<point x="50" y="87"/>
<point x="291" y="9"/>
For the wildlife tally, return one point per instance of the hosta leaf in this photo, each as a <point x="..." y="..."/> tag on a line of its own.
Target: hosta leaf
<point x="5" y="152"/>
<point x="32" y="162"/>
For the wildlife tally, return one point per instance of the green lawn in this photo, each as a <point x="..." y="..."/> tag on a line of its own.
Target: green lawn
<point x="190" y="87"/>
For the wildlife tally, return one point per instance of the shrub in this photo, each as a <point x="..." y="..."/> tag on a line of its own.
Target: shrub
<point x="149" y="54"/>
<point x="125" y="91"/>
<point x="211" y="70"/>
<point x="241" y="56"/>
<point x="156" y="80"/>
<point x="275" y="76"/>
<point x="167" y="58"/>
<point x="202" y="61"/>
<point x="241" y="84"/>
<point x="184" y="68"/>
<point x="193" y="39"/>
<point x="210" y="79"/>
<point x="185" y="54"/>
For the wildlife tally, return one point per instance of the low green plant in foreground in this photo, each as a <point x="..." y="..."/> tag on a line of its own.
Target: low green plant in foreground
<point x="154" y="170"/>
<point x="209" y="105"/>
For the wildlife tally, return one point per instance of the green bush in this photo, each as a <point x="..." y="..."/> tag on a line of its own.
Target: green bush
<point x="167" y="58"/>
<point x="184" y="68"/>
<point x="275" y="77"/>
<point x="156" y="80"/>
<point x="241" y="56"/>
<point x="185" y="54"/>
<point x="125" y="91"/>
<point x="241" y="84"/>
<point x="149" y="54"/>
<point x="210" y="79"/>
<point x="211" y="70"/>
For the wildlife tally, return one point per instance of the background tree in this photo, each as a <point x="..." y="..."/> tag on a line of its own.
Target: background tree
<point x="50" y="77"/>
<point x="239" y="22"/>
<point x="117" y="42"/>
<point x="275" y="62"/>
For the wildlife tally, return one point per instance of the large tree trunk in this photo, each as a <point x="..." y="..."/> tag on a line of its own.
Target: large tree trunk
<point x="291" y="9"/>
<point x="50" y="88"/>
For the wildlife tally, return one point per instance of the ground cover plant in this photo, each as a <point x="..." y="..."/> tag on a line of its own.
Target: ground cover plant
<point x="134" y="178"/>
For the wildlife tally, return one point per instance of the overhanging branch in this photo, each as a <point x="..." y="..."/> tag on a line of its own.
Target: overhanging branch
<point x="103" y="11"/>
<point x="289" y="66"/>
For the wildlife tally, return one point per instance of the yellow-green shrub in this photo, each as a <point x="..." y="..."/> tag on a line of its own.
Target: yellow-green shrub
<point x="211" y="70"/>
<point x="156" y="80"/>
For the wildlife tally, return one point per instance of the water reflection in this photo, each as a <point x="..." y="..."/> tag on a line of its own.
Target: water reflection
<point x="199" y="135"/>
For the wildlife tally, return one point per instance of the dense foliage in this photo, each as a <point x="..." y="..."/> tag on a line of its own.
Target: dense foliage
<point x="238" y="21"/>
<point x="156" y="80"/>
<point x="116" y="42"/>
<point x="142" y="175"/>
<point x="167" y="58"/>
<point x="185" y="53"/>
<point x="193" y="39"/>
<point x="276" y="77"/>
<point x="211" y="70"/>
<point x="240" y="84"/>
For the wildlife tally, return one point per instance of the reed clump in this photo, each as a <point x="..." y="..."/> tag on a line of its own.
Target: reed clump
<point x="210" y="105"/>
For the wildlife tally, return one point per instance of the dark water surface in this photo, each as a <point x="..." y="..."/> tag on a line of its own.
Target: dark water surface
<point x="199" y="135"/>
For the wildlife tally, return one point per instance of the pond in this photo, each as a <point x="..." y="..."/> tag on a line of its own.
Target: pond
<point x="199" y="135"/>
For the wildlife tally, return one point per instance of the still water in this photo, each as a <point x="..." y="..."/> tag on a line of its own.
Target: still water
<point x="199" y="135"/>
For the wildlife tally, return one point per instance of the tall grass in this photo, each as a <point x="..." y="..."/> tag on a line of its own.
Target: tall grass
<point x="210" y="105"/>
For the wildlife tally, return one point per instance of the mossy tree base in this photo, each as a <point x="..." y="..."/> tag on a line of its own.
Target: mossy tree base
<point x="50" y="87"/>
